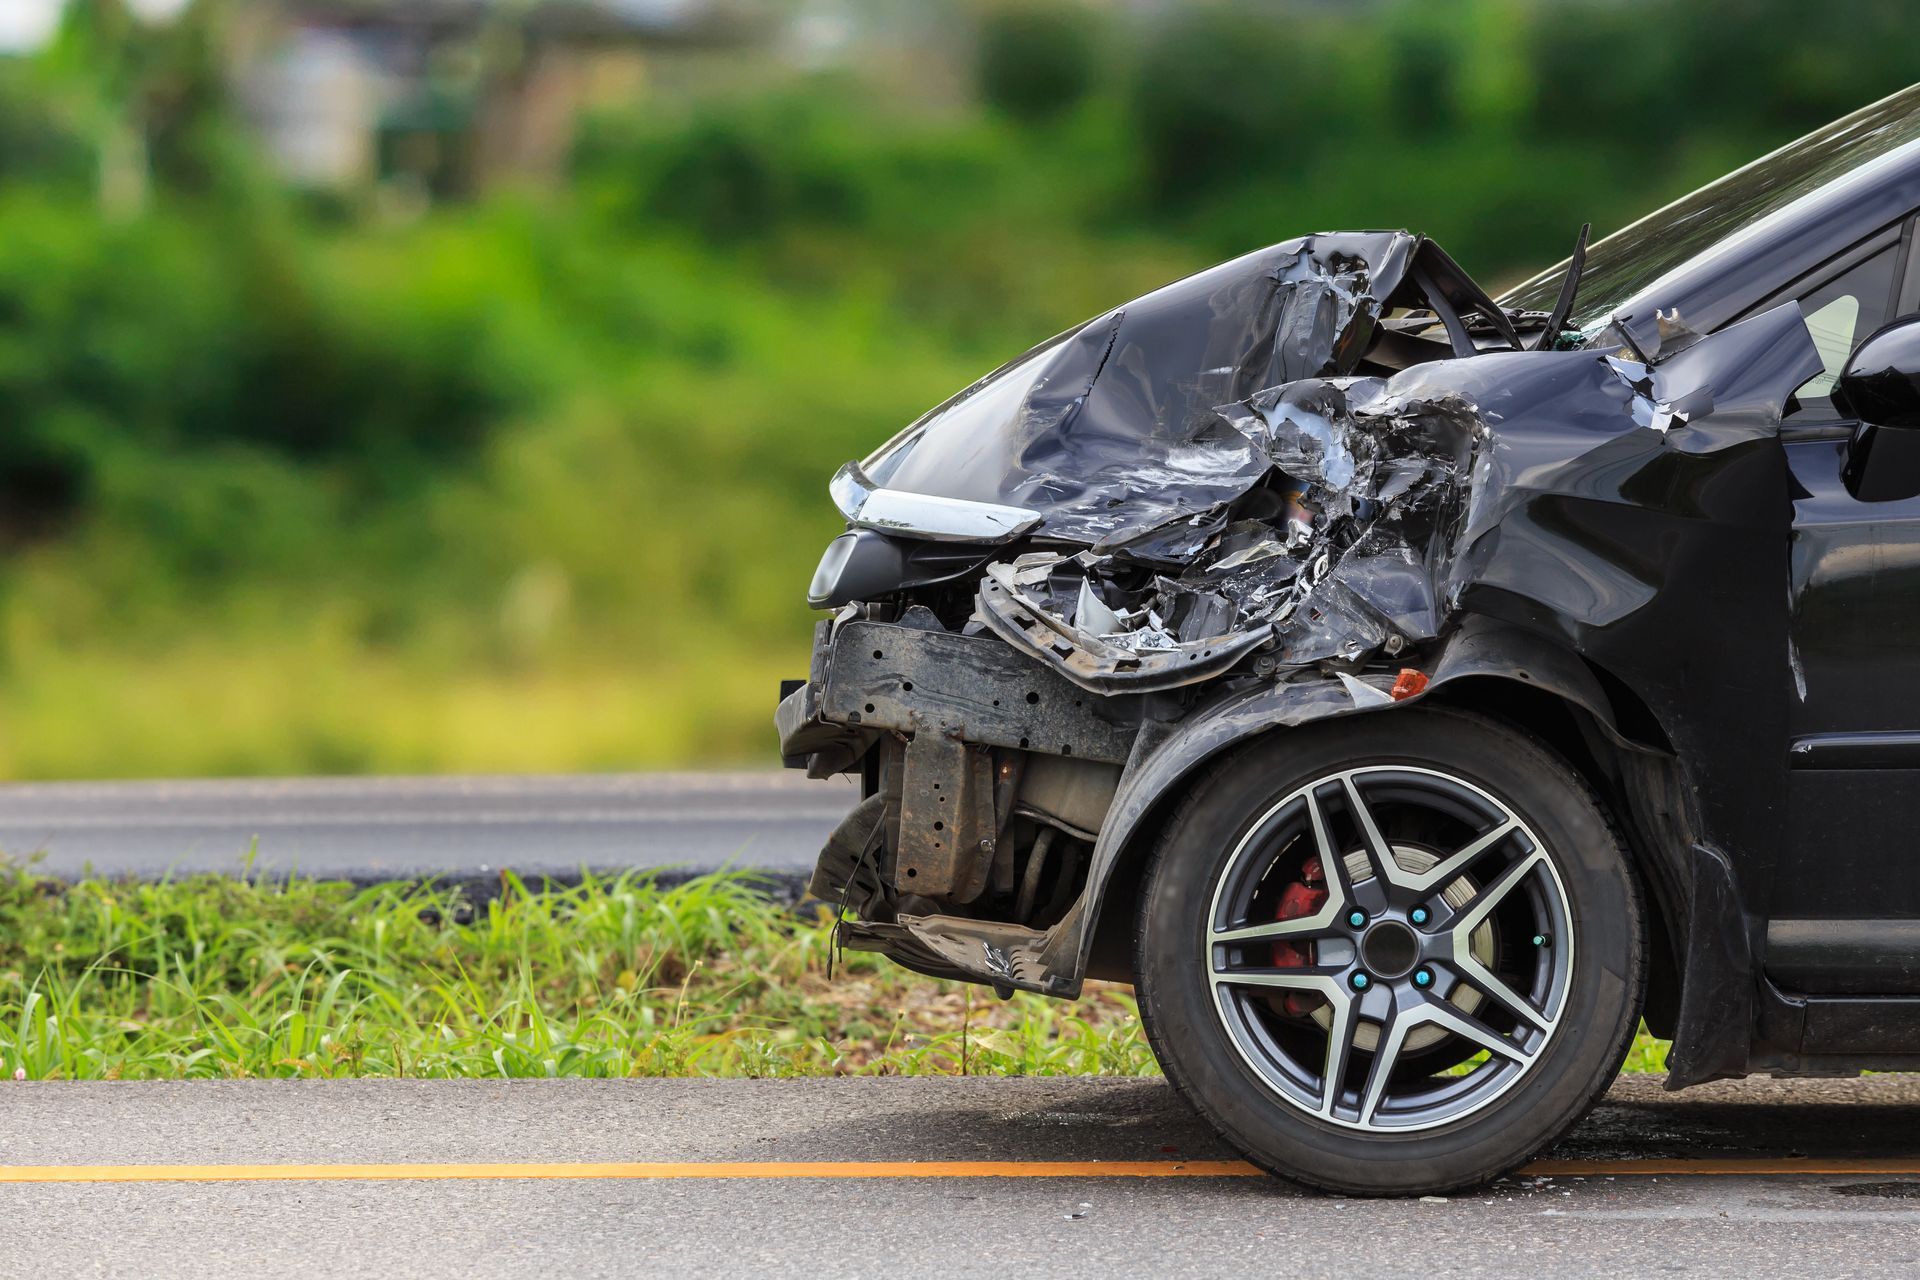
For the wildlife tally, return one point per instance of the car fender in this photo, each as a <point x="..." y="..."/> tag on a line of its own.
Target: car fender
<point x="1480" y="648"/>
<point x="1709" y="933"/>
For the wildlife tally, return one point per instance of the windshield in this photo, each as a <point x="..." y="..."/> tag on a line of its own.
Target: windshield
<point x="1629" y="260"/>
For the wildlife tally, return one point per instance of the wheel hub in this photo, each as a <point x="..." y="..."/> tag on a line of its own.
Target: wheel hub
<point x="1390" y="949"/>
<point x="1457" y="894"/>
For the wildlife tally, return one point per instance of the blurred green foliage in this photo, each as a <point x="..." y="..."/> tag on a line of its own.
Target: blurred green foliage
<point x="535" y="480"/>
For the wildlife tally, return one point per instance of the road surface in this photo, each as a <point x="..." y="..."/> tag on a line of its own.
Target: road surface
<point x="1814" y="1178"/>
<point x="368" y="829"/>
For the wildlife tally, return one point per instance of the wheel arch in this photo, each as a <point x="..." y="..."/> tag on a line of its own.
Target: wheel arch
<point x="1594" y="722"/>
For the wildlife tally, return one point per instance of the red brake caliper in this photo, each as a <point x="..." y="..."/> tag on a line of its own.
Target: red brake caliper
<point x="1301" y="898"/>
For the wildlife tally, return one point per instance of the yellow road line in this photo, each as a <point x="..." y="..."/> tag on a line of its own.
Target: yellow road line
<point x="874" y="1169"/>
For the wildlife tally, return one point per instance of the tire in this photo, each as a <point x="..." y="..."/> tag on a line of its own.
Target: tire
<point x="1237" y="857"/>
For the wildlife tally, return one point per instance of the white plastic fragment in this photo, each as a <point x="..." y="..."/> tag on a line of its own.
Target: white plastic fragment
<point x="1364" y="694"/>
<point x="1091" y="614"/>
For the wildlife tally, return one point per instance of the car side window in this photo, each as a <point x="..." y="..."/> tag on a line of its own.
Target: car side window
<point x="1839" y="313"/>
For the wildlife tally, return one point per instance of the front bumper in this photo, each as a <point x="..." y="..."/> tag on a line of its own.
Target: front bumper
<point x="869" y="678"/>
<point x="808" y="740"/>
<point x="958" y="716"/>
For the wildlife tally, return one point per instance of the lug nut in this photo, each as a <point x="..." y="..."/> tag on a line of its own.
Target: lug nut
<point x="1542" y="939"/>
<point x="1356" y="918"/>
<point x="1419" y="915"/>
<point x="1423" y="977"/>
<point x="1359" y="981"/>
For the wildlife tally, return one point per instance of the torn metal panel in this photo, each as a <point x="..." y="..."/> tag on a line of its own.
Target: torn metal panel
<point x="992" y="951"/>
<point x="1110" y="431"/>
<point x="1155" y="659"/>
<point x="848" y="870"/>
<point x="1364" y="487"/>
<point x="1364" y="695"/>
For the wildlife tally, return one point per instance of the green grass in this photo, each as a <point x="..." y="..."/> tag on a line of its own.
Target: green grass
<point x="214" y="977"/>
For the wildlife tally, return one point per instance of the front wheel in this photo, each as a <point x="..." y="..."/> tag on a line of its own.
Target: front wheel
<point x="1393" y="954"/>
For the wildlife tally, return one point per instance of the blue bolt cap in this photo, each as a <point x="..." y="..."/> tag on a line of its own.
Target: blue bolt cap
<point x="1356" y="918"/>
<point x="1419" y="915"/>
<point x="1421" y="978"/>
<point x="1359" y="982"/>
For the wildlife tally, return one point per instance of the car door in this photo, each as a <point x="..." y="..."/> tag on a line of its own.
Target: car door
<point x="1845" y="902"/>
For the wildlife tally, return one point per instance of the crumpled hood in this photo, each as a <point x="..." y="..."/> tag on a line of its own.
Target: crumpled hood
<point x="1278" y="457"/>
<point x="1110" y="429"/>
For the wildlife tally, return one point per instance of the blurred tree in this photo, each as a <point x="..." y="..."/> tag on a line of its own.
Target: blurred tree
<point x="39" y="142"/>
<point x="1037" y="59"/>
<point x="1760" y="67"/>
<point x="92" y="71"/>
<point x="185" y="104"/>
<point x="152" y="101"/>
<point x="1423" y="46"/>
<point x="1224" y="97"/>
<point x="1608" y="74"/>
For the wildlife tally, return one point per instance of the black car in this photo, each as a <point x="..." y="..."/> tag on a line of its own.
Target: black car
<point x="1410" y="690"/>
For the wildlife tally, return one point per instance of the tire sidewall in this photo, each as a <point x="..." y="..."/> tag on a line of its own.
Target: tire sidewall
<point x="1580" y="1057"/>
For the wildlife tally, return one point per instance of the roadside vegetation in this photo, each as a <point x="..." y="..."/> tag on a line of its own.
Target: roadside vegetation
<point x="533" y="477"/>
<point x="218" y="977"/>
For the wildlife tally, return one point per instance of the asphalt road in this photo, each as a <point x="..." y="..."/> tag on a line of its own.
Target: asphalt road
<point x="1590" y="1212"/>
<point x="460" y="828"/>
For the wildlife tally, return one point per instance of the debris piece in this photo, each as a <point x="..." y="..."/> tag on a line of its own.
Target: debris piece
<point x="1673" y="334"/>
<point x="1408" y="684"/>
<point x="1364" y="695"/>
<point x="1362" y="484"/>
<point x="1652" y="406"/>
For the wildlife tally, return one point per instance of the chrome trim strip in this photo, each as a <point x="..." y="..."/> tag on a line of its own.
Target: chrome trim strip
<point x="1887" y="749"/>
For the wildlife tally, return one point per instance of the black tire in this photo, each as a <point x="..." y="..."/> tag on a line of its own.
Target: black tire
<point x="1602" y="983"/>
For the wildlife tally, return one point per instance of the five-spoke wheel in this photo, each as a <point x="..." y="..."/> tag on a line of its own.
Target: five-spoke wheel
<point x="1404" y="942"/>
<point x="1391" y="954"/>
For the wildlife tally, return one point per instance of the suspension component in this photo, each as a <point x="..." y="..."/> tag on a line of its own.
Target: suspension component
<point x="1036" y="865"/>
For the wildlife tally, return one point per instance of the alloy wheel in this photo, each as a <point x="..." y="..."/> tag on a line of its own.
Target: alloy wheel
<point x="1390" y="948"/>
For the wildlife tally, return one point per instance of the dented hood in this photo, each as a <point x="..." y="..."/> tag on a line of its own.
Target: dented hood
<point x="1328" y="450"/>
<point x="1110" y="429"/>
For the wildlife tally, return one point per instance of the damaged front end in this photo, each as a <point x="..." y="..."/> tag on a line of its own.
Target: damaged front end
<point x="1323" y="479"/>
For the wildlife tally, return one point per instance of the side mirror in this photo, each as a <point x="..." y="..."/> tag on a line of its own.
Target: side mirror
<point x="1881" y="381"/>
<point x="1880" y="386"/>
